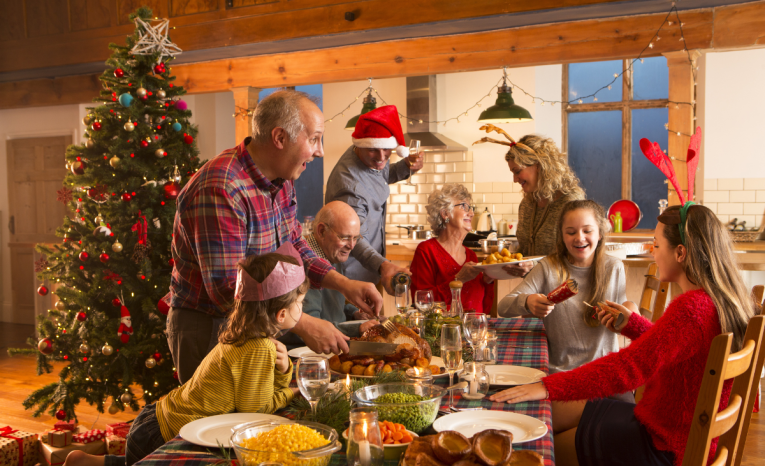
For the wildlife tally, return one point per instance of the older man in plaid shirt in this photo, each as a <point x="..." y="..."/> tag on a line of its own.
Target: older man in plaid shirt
<point x="241" y="203"/>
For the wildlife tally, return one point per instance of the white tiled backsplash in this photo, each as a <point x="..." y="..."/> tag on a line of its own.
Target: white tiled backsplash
<point x="406" y="205"/>
<point x="739" y="198"/>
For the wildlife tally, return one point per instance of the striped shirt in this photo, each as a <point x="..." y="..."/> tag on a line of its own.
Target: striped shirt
<point x="226" y="212"/>
<point x="241" y="379"/>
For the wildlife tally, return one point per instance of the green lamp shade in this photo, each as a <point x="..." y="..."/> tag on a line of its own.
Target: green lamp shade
<point x="369" y="104"/>
<point x="504" y="110"/>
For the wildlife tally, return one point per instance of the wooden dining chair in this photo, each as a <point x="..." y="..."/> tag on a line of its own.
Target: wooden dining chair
<point x="653" y="286"/>
<point x="757" y="295"/>
<point x="732" y="423"/>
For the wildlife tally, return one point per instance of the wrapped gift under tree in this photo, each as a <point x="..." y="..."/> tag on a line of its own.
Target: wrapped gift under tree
<point x="17" y="448"/>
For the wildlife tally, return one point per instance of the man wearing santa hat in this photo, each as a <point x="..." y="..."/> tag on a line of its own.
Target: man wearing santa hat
<point x="361" y="178"/>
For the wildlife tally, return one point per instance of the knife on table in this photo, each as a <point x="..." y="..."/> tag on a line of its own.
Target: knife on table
<point x="368" y="348"/>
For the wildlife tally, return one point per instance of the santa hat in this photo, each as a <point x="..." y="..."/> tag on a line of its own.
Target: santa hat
<point x="380" y="129"/>
<point x="124" y="312"/>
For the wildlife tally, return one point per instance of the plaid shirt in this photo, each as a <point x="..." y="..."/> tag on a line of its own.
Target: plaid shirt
<point x="226" y="212"/>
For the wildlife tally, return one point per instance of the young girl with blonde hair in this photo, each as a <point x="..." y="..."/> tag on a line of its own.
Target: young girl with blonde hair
<point x="247" y="372"/>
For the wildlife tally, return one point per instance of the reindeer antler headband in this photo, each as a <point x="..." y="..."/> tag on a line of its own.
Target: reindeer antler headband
<point x="489" y="128"/>
<point x="653" y="152"/>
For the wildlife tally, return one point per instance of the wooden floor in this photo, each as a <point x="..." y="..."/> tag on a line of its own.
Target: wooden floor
<point x="19" y="379"/>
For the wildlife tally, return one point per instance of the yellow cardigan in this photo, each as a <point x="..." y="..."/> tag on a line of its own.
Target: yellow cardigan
<point x="230" y="379"/>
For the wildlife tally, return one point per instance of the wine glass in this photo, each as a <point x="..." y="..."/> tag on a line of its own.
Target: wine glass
<point x="313" y="379"/>
<point x="414" y="148"/>
<point x="403" y="300"/>
<point x="475" y="325"/>
<point x="451" y="352"/>
<point x="423" y="299"/>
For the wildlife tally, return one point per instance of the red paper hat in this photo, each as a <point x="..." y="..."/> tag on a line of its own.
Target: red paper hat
<point x="380" y="129"/>
<point x="124" y="312"/>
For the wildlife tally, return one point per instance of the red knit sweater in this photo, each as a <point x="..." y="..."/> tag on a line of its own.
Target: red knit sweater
<point x="668" y="357"/>
<point x="433" y="268"/>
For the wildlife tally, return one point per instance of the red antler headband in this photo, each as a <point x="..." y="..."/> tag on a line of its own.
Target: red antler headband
<point x="284" y="278"/>
<point x="653" y="152"/>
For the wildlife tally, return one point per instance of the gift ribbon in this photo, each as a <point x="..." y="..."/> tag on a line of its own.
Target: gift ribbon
<point x="140" y="227"/>
<point x="6" y="432"/>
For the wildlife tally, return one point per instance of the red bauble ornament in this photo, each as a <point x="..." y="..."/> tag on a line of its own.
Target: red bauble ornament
<point x="171" y="262"/>
<point x="144" y="144"/>
<point x="45" y="346"/>
<point x="118" y="73"/>
<point x="84" y="256"/>
<point x="81" y="316"/>
<point x="188" y="139"/>
<point x="175" y="375"/>
<point x="159" y="68"/>
<point x="104" y="257"/>
<point x="171" y="190"/>
<point x="96" y="126"/>
<point x="78" y="167"/>
<point x="163" y="307"/>
<point x="60" y="414"/>
<point x="116" y="302"/>
<point x="127" y="197"/>
<point x="42" y="290"/>
<point x="157" y="355"/>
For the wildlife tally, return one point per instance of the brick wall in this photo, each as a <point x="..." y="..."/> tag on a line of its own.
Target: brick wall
<point x="739" y="198"/>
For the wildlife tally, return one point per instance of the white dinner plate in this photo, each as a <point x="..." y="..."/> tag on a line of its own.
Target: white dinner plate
<point x="434" y="361"/>
<point x="304" y="351"/>
<point x="496" y="271"/>
<point x="513" y="375"/>
<point x="468" y="423"/>
<point x="208" y="431"/>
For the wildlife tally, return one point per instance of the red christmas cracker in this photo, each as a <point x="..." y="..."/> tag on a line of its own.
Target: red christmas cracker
<point x="566" y="290"/>
<point x="65" y="425"/>
<point x="90" y="436"/>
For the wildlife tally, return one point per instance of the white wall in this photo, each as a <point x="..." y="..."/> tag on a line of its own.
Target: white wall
<point x="734" y="99"/>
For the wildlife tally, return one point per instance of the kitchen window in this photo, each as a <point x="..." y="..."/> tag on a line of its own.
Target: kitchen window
<point x="601" y="134"/>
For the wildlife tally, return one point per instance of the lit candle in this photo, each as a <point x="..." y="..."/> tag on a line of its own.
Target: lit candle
<point x="473" y="383"/>
<point x="348" y="383"/>
<point x="365" y="455"/>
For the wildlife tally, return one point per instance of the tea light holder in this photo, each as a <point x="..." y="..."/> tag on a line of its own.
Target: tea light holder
<point x="416" y="321"/>
<point x="478" y="381"/>
<point x="365" y="444"/>
<point x="421" y="375"/>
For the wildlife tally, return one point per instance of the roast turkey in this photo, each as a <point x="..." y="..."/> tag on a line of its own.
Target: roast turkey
<point x="410" y="346"/>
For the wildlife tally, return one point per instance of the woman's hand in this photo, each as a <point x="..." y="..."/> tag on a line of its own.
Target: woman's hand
<point x="538" y="305"/>
<point x="519" y="269"/>
<point x="282" y="359"/>
<point x="608" y="320"/>
<point x="531" y="392"/>
<point x="468" y="272"/>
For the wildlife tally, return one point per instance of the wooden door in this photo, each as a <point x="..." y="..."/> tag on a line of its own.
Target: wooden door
<point x="35" y="172"/>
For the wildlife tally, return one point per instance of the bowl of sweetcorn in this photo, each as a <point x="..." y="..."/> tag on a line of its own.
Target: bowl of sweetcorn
<point x="291" y="443"/>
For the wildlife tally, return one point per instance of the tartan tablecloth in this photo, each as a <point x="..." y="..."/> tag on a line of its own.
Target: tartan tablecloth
<point x="179" y="452"/>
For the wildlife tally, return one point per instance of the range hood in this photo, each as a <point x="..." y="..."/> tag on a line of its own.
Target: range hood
<point x="421" y="104"/>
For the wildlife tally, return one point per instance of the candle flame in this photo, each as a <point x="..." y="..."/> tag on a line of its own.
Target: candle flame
<point x="348" y="381"/>
<point x="364" y="429"/>
<point x="416" y="371"/>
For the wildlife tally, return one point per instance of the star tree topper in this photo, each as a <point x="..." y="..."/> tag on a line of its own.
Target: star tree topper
<point x="153" y="39"/>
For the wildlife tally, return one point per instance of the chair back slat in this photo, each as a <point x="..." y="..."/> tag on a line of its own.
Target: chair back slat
<point x="740" y="361"/>
<point x="746" y="386"/>
<point x="726" y="418"/>
<point x="757" y="293"/>
<point x="721" y="457"/>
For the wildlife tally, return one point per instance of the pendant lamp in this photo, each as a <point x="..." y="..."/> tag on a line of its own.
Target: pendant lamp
<point x="370" y="103"/>
<point x="504" y="110"/>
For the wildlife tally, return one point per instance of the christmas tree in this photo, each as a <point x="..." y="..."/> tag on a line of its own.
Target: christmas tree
<point x="114" y="264"/>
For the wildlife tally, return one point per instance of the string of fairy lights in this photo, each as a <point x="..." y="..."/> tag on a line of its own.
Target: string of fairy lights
<point x="242" y="112"/>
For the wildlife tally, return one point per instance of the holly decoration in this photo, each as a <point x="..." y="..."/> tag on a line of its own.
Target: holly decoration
<point x="159" y="68"/>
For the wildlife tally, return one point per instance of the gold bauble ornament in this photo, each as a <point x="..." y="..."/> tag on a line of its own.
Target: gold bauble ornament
<point x="84" y="348"/>
<point x="161" y="94"/>
<point x="107" y="350"/>
<point x="60" y="305"/>
<point x="141" y="92"/>
<point x="87" y="120"/>
<point x="89" y="143"/>
<point x="129" y="126"/>
<point x="114" y="161"/>
<point x="113" y="409"/>
<point x="151" y="362"/>
<point x="117" y="246"/>
<point x="125" y="398"/>
<point x="98" y="220"/>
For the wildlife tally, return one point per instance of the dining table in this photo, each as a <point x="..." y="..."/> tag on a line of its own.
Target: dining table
<point x="520" y="342"/>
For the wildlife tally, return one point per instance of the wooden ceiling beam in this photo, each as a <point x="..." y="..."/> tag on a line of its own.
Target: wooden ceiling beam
<point x="591" y="40"/>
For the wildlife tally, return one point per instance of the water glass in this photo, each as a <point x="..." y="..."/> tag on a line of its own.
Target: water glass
<point x="423" y="299"/>
<point x="451" y="352"/>
<point x="414" y="148"/>
<point x="313" y="379"/>
<point x="403" y="300"/>
<point x="475" y="325"/>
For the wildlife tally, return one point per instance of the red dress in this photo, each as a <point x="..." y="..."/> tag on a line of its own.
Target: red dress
<point x="433" y="268"/>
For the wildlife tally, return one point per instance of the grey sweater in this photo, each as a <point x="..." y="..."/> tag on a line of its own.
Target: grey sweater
<point x="571" y="342"/>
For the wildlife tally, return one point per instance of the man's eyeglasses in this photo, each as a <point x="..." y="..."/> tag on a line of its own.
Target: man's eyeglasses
<point x="465" y="206"/>
<point x="346" y="239"/>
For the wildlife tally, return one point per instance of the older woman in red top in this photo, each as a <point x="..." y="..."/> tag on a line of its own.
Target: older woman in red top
<point x="442" y="259"/>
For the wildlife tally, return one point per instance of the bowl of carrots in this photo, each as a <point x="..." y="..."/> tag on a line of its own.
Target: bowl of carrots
<point x="395" y="437"/>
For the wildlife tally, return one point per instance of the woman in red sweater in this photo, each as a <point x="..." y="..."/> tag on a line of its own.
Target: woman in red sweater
<point x="442" y="259"/>
<point x="693" y="250"/>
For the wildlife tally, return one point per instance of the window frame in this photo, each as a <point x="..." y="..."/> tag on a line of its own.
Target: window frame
<point x="626" y="105"/>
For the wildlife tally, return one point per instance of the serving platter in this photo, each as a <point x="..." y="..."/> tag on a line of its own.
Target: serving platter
<point x="434" y="361"/>
<point x="497" y="272"/>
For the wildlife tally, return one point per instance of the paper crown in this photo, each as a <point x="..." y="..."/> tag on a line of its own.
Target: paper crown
<point x="380" y="129"/>
<point x="284" y="278"/>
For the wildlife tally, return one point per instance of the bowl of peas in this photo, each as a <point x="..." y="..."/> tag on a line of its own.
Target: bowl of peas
<point x="411" y="404"/>
<point x="291" y="443"/>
